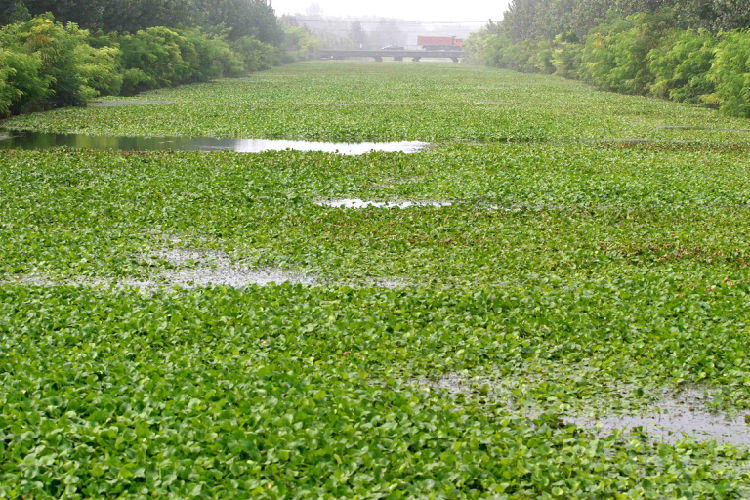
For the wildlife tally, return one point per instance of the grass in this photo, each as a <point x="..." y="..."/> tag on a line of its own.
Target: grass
<point x="570" y="270"/>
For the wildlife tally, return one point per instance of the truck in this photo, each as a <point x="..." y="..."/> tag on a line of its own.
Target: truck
<point x="440" y="42"/>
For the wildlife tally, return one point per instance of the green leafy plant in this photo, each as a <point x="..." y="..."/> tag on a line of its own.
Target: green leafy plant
<point x="731" y="74"/>
<point x="49" y="63"/>
<point x="681" y="66"/>
<point x="573" y="275"/>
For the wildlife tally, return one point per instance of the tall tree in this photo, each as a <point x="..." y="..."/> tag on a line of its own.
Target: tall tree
<point x="527" y="19"/>
<point x="13" y="11"/>
<point x="357" y="34"/>
<point x="243" y="18"/>
<point x="240" y="17"/>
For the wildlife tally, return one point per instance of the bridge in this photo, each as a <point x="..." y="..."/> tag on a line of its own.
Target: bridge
<point x="397" y="55"/>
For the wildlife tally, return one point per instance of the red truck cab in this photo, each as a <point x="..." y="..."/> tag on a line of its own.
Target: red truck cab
<point x="440" y="42"/>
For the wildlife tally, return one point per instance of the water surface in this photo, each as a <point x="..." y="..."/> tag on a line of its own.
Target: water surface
<point x="357" y="203"/>
<point x="43" y="140"/>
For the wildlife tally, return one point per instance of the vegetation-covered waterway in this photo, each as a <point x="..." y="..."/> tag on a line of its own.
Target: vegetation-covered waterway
<point x="451" y="322"/>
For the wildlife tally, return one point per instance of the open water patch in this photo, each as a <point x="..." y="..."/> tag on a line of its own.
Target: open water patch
<point x="195" y="269"/>
<point x="356" y="203"/>
<point x="674" y="418"/>
<point x="703" y="128"/>
<point x="188" y="269"/>
<point x="138" y="102"/>
<point x="671" y="418"/>
<point x="42" y="140"/>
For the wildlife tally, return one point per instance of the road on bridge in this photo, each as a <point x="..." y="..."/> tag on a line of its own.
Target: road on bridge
<point x="398" y="55"/>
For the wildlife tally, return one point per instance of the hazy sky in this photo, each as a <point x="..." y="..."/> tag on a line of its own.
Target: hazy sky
<point x="421" y="10"/>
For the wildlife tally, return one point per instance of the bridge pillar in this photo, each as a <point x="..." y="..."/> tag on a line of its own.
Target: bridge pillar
<point x="454" y="59"/>
<point x="378" y="59"/>
<point x="416" y="59"/>
<point x="399" y="59"/>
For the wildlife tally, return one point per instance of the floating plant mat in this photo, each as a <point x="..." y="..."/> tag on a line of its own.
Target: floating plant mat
<point x="42" y="140"/>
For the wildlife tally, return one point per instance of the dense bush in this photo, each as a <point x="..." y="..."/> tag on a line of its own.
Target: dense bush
<point x="641" y="54"/>
<point x="254" y="54"/>
<point x="526" y="19"/>
<point x="681" y="65"/>
<point x="685" y="50"/>
<point x="615" y="55"/>
<point x="730" y="73"/>
<point x="162" y="57"/>
<point x="46" y="63"/>
<point x="299" y="43"/>
<point x="240" y="17"/>
<point x="567" y="56"/>
<point x="529" y="56"/>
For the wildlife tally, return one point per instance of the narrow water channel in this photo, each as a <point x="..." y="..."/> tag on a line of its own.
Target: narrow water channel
<point x="41" y="140"/>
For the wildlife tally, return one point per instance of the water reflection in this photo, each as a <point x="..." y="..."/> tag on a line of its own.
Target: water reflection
<point x="39" y="140"/>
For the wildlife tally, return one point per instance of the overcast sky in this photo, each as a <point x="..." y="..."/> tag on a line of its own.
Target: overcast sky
<point x="418" y="10"/>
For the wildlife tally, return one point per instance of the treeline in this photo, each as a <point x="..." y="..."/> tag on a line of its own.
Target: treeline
<point x="46" y="62"/>
<point x="684" y="50"/>
<point x="527" y="19"/>
<point x="241" y="18"/>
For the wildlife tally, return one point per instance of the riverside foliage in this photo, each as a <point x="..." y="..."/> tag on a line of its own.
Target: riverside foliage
<point x="573" y="274"/>
<point x="662" y="53"/>
<point x="46" y="63"/>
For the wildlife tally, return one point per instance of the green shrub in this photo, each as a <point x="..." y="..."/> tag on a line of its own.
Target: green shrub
<point x="23" y="86"/>
<point x="616" y="53"/>
<point x="214" y="57"/>
<point x="162" y="57"/>
<point x="541" y="56"/>
<point x="567" y="57"/>
<point x="157" y="56"/>
<point x="730" y="73"/>
<point x="69" y="62"/>
<point x="45" y="63"/>
<point x="136" y="80"/>
<point x="98" y="68"/>
<point x="254" y="54"/>
<point x="495" y="49"/>
<point x="681" y="66"/>
<point x="7" y="91"/>
<point x="641" y="54"/>
<point x="299" y="43"/>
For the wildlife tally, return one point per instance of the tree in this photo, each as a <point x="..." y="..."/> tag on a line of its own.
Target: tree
<point x="241" y="17"/>
<point x="357" y="35"/>
<point x="528" y="19"/>
<point x="386" y="33"/>
<point x="14" y="11"/>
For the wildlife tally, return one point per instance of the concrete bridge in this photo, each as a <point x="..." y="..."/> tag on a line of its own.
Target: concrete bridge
<point x="398" y="55"/>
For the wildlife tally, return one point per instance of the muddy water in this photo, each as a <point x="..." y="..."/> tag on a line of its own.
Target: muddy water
<point x="674" y="418"/>
<point x="40" y="140"/>
<point x="670" y="419"/>
<point x="357" y="203"/>
<point x="188" y="269"/>
<point x="698" y="127"/>
<point x="118" y="104"/>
